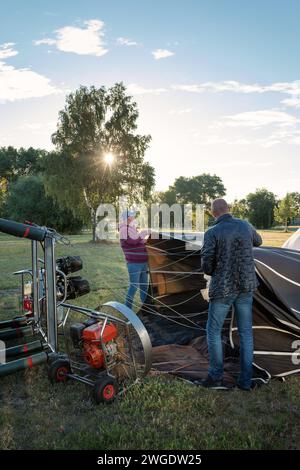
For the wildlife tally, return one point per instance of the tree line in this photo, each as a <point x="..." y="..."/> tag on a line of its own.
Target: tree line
<point x="264" y="210"/>
<point x="261" y="208"/>
<point x="63" y="188"/>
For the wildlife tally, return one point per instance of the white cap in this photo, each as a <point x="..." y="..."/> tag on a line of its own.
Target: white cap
<point x="127" y="213"/>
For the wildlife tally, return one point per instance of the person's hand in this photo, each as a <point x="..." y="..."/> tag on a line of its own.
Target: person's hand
<point x="145" y="233"/>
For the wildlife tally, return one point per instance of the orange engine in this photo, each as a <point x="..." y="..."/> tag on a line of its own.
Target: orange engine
<point x="93" y="354"/>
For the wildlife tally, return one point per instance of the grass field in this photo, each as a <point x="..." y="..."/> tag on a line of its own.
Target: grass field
<point x="160" y="413"/>
<point x="274" y="238"/>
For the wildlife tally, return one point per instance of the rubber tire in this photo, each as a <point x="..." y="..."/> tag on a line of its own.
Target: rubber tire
<point x="53" y="370"/>
<point x="105" y="390"/>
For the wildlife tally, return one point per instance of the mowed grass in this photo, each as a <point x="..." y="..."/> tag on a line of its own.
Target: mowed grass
<point x="274" y="238"/>
<point x="160" y="413"/>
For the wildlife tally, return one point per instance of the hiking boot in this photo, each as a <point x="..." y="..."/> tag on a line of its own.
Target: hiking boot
<point x="211" y="383"/>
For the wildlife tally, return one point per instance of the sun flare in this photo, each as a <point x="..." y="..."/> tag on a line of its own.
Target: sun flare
<point x="109" y="158"/>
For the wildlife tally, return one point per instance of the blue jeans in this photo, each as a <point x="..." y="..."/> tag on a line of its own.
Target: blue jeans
<point x="138" y="277"/>
<point x="217" y="312"/>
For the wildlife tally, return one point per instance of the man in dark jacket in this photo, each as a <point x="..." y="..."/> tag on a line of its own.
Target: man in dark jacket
<point x="227" y="256"/>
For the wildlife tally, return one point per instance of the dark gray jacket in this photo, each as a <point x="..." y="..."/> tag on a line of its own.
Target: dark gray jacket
<point x="227" y="256"/>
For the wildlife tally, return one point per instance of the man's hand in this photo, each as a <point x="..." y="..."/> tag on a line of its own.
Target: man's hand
<point x="257" y="240"/>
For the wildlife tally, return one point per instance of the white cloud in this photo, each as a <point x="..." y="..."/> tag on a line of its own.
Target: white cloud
<point x="48" y="41"/>
<point x="18" y="84"/>
<point x="290" y="136"/>
<point x="190" y="88"/>
<point x="278" y="135"/>
<point x="126" y="42"/>
<point x="257" y="119"/>
<point x="179" y="112"/>
<point x="6" y="50"/>
<point x="134" y="89"/>
<point x="291" y="102"/>
<point x="174" y="43"/>
<point x="161" y="54"/>
<point x="88" y="40"/>
<point x="247" y="163"/>
<point x="290" y="88"/>
<point x="38" y="127"/>
<point x="214" y="139"/>
<point x="217" y="87"/>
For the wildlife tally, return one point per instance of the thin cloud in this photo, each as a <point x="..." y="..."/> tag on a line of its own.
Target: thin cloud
<point x="218" y="87"/>
<point x="288" y="135"/>
<point x="290" y="88"/>
<point x="18" y="84"/>
<point x="134" y="89"/>
<point x="257" y="119"/>
<point x="88" y="40"/>
<point x="217" y="140"/>
<point x="38" y="127"/>
<point x="180" y="112"/>
<point x="291" y="102"/>
<point x="126" y="42"/>
<point x="245" y="163"/>
<point x="162" y="54"/>
<point x="48" y="41"/>
<point x="7" y="50"/>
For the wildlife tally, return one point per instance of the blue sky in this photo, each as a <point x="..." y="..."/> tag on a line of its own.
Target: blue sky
<point x="217" y="81"/>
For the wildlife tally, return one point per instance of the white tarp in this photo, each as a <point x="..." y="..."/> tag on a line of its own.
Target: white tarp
<point x="293" y="243"/>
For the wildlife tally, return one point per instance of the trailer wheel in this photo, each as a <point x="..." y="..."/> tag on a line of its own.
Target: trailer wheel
<point x="105" y="390"/>
<point x="58" y="370"/>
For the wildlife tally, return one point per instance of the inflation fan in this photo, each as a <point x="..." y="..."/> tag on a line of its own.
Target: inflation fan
<point x="106" y="348"/>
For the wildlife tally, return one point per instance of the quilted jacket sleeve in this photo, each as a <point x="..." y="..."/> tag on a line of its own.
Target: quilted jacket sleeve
<point x="208" y="253"/>
<point x="257" y="240"/>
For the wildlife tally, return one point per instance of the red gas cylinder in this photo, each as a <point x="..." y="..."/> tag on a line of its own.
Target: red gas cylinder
<point x="27" y="304"/>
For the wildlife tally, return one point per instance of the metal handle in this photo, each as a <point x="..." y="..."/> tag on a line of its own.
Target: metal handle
<point x="22" y="230"/>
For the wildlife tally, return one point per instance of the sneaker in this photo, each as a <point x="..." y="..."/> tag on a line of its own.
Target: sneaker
<point x="211" y="383"/>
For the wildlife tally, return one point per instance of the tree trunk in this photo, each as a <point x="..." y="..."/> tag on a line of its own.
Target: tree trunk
<point x="286" y="225"/>
<point x="94" y="224"/>
<point x="93" y="215"/>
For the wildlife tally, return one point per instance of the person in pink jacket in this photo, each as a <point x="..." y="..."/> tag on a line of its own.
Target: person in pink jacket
<point x="133" y="245"/>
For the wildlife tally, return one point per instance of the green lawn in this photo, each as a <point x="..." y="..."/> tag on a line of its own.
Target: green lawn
<point x="160" y="413"/>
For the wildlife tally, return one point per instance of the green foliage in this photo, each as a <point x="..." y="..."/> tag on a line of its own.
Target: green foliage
<point x="3" y="192"/>
<point x="27" y="201"/>
<point x="199" y="189"/>
<point x="240" y="209"/>
<point x="261" y="205"/>
<point x="15" y="163"/>
<point x="8" y="159"/>
<point x="260" y="208"/>
<point x="286" y="210"/>
<point x="168" y="197"/>
<point x="296" y="202"/>
<point x="94" y="122"/>
<point x="20" y="162"/>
